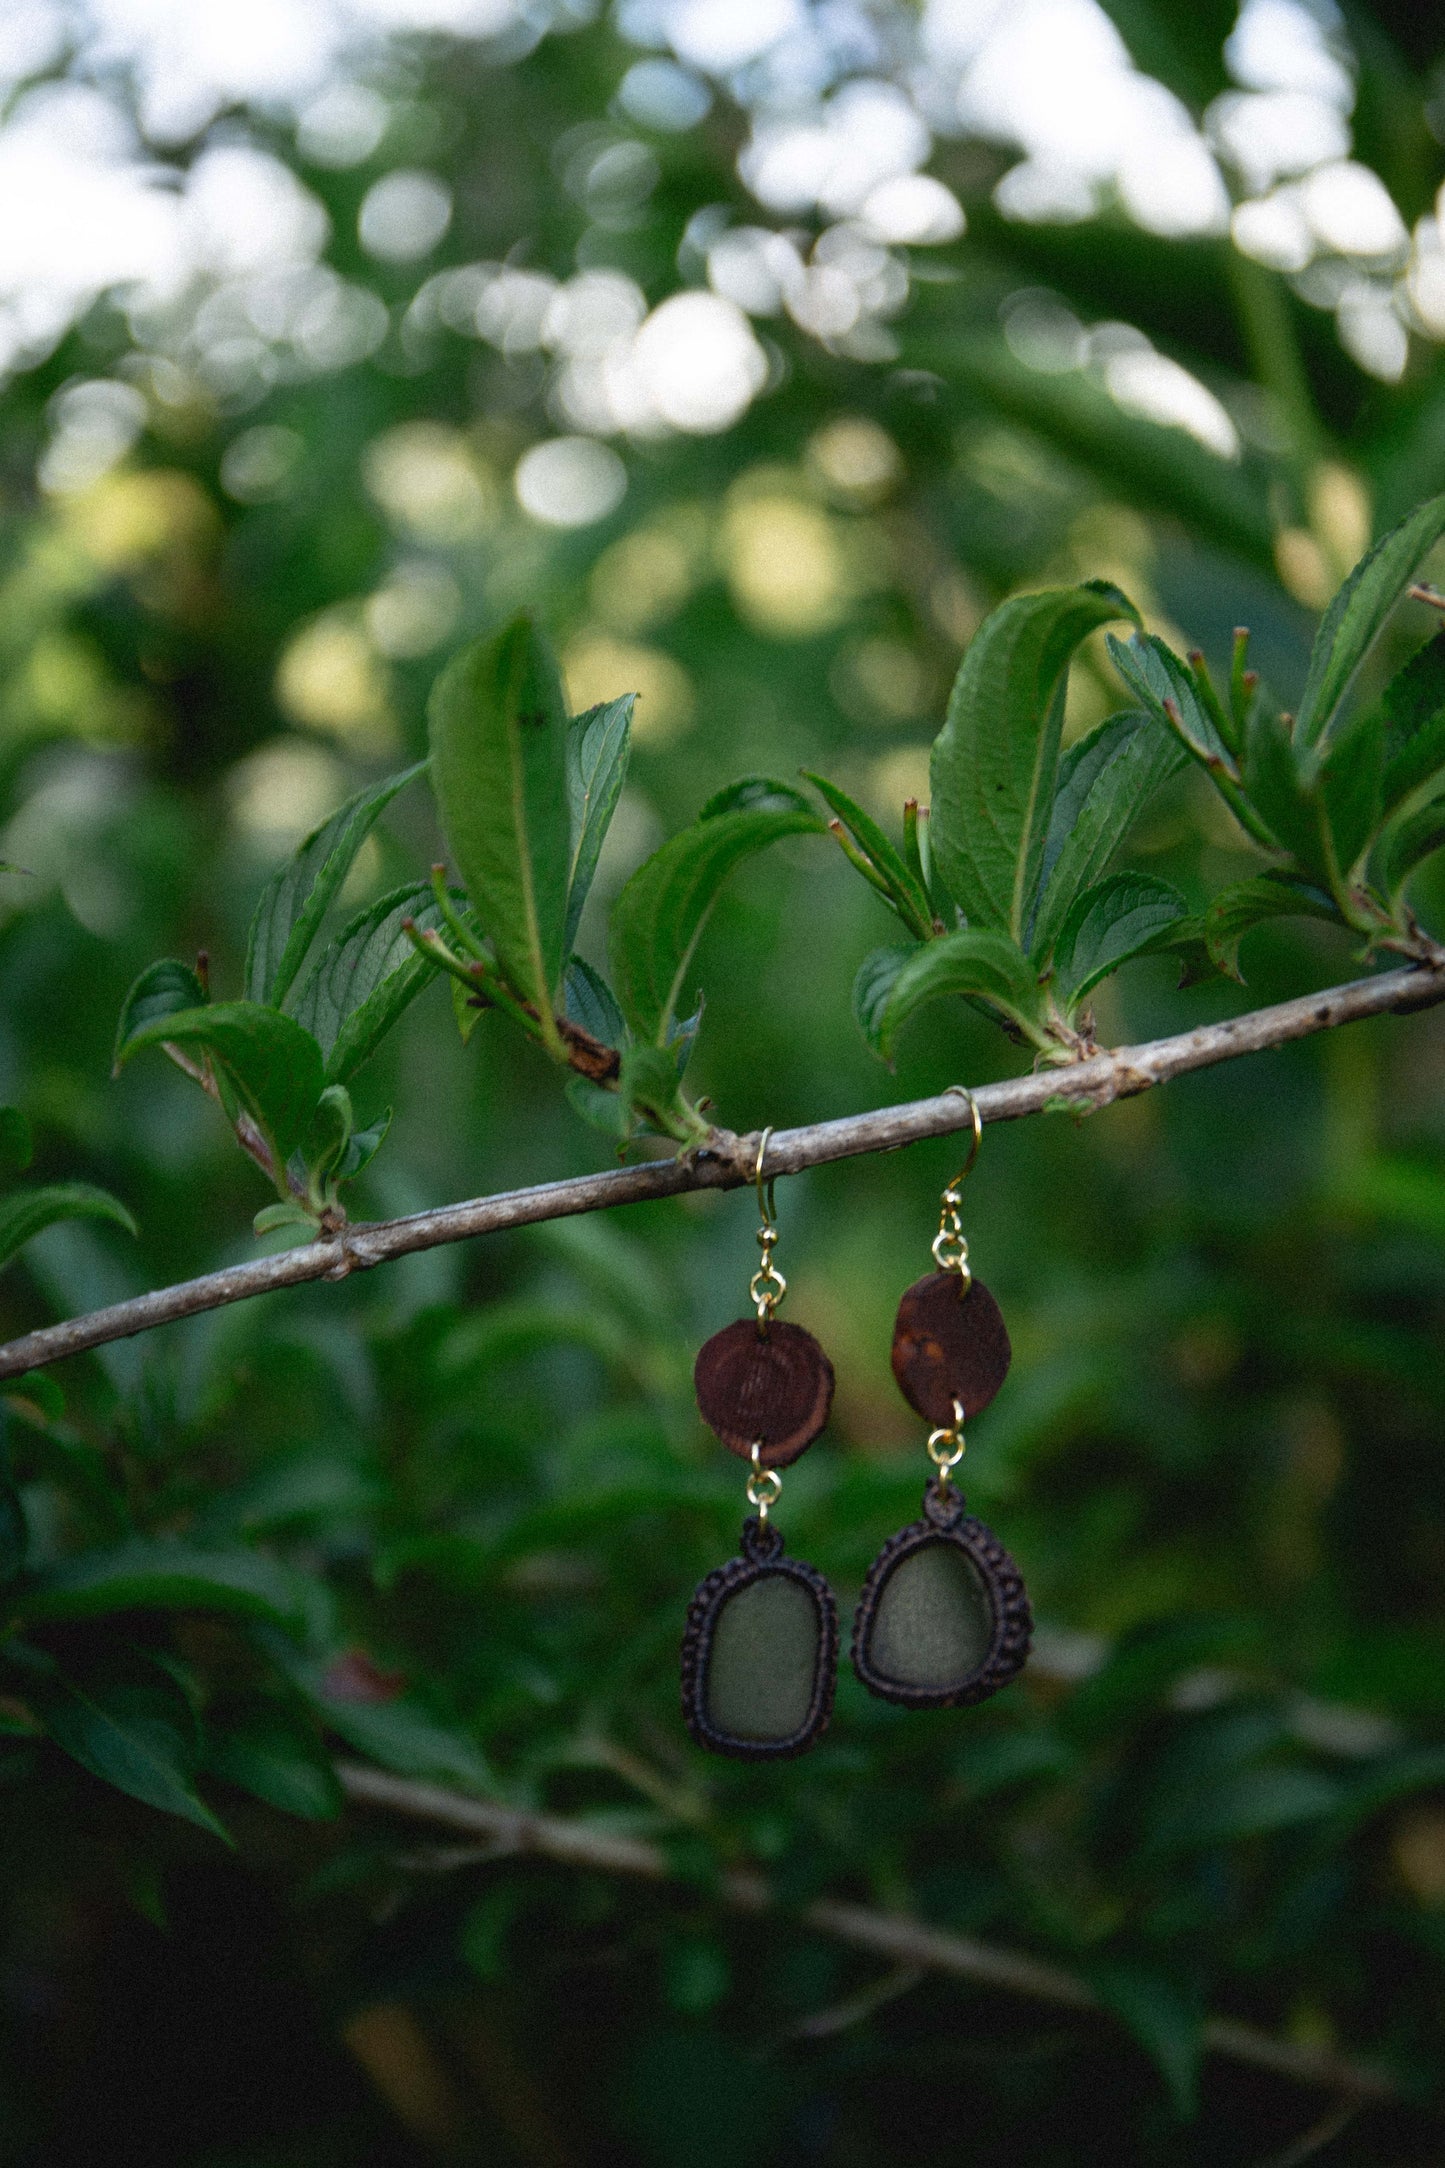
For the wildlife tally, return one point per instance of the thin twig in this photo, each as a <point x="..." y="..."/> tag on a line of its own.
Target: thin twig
<point x="857" y="2009"/>
<point x="907" y="1943"/>
<point x="1336" y="2119"/>
<point x="726" y="1161"/>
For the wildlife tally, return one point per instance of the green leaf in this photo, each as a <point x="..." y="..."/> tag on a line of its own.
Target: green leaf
<point x="1152" y="670"/>
<point x="466" y="1009"/>
<point x="1353" y="619"/>
<point x="1399" y="1776"/>
<point x="365" y="978"/>
<point x="598" y="745"/>
<point x="273" y="1063"/>
<point x="1231" y="914"/>
<point x="16" y="1142"/>
<point x="995" y="762"/>
<point x="363" y="1147"/>
<point x="650" y="1088"/>
<point x="1166" y="2020"/>
<point x="499" y="767"/>
<point x="1283" y="783"/>
<point x="159" y="1574"/>
<point x="873" y="989"/>
<point x="599" y="1108"/>
<point x="1414" y="708"/>
<point x="299" y="894"/>
<point x="329" y="1136"/>
<point x="659" y="916"/>
<point x="133" y="1732"/>
<point x="1105" y="781"/>
<point x="403" y="1737"/>
<point x="907" y="891"/>
<point x="1408" y="842"/>
<point x="974" y="962"/>
<point x="1351" y="776"/>
<point x="754" y="794"/>
<point x="399" y="1734"/>
<point x="40" y="1387"/>
<point x="1124" y="915"/>
<point x="260" y="1752"/>
<point x="30" y="1211"/>
<point x="167" y="988"/>
<point x="589" y="1001"/>
<point x="1171" y="692"/>
<point x="1237" y="1804"/>
<point x="1187" y="942"/>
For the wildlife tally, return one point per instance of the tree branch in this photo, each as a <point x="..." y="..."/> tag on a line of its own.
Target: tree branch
<point x="893" y="1935"/>
<point x="726" y="1161"/>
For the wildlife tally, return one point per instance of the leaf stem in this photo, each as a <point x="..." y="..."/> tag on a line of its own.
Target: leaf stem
<point x="1242" y="682"/>
<point x="452" y="918"/>
<point x="885" y="888"/>
<point x="1214" y="707"/>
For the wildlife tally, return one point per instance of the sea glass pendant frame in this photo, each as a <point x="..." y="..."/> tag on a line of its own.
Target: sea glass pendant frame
<point x="945" y="1521"/>
<point x="761" y="1557"/>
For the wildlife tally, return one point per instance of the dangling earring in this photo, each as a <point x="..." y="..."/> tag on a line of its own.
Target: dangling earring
<point x="760" y="1654"/>
<point x="944" y="1620"/>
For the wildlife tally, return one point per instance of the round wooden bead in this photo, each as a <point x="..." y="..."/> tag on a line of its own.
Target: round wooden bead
<point x="772" y="1388"/>
<point x="949" y="1343"/>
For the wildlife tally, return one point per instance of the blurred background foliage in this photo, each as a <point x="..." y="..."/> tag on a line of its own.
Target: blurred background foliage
<point x="318" y="364"/>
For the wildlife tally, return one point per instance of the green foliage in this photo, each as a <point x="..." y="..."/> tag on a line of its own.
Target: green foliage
<point x="980" y="963"/>
<point x="444" y="1516"/>
<point x="280" y="1077"/>
<point x="1123" y="916"/>
<point x="29" y="1213"/>
<point x="499" y="761"/>
<point x="296" y="899"/>
<point x="995" y="763"/>
<point x="598" y="746"/>
<point x="272" y="1065"/>
<point x="132" y="1727"/>
<point x="1105" y="781"/>
<point x="359" y="986"/>
<point x="162" y="1575"/>
<point x="659" y="917"/>
<point x="1354" y="619"/>
<point x="260" y="1748"/>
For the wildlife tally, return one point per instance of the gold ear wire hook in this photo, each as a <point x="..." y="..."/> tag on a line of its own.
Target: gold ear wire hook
<point x="961" y="1091"/>
<point x="767" y="1286"/>
<point x="767" y="1206"/>
<point x="950" y="1249"/>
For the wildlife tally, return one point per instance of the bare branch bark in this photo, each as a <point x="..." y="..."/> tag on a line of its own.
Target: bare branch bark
<point x="726" y="1161"/>
<point x="905" y="1942"/>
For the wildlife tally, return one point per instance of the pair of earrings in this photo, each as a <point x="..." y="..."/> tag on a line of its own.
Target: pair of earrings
<point x="943" y="1620"/>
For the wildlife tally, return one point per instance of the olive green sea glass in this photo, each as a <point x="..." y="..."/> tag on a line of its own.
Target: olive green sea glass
<point x="933" y="1625"/>
<point x="763" y="1660"/>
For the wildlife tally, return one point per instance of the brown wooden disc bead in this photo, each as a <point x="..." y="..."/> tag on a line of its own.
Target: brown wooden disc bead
<point x="772" y="1388"/>
<point x="949" y="1343"/>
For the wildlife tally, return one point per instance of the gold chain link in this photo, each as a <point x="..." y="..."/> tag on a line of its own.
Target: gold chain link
<point x="767" y="1285"/>
<point x="950" y="1246"/>
<point x="945" y="1446"/>
<point x="765" y="1485"/>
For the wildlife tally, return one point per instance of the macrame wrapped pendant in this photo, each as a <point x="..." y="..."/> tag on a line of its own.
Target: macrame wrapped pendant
<point x="760" y="1652"/>
<point x="943" y="1620"/>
